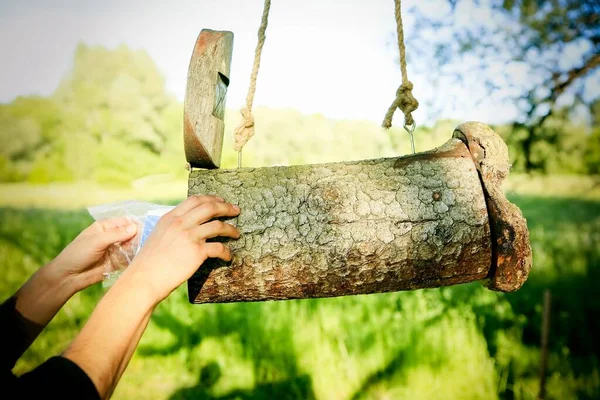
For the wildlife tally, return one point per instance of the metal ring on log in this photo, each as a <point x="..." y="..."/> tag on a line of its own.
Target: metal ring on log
<point x="404" y="223"/>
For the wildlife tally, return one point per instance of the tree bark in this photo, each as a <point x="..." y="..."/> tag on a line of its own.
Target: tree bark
<point x="325" y="230"/>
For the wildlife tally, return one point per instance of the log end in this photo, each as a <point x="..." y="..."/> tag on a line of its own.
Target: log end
<point x="511" y="250"/>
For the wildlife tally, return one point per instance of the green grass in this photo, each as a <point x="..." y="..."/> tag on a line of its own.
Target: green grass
<point x="67" y="196"/>
<point x="462" y="342"/>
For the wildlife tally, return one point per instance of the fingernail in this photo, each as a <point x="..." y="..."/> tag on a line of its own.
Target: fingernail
<point x="236" y="208"/>
<point x="220" y="198"/>
<point x="131" y="228"/>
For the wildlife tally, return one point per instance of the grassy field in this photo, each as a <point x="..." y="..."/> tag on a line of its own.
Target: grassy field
<point x="462" y="342"/>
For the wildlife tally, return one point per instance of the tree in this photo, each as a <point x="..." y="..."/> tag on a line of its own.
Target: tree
<point x="110" y="120"/>
<point x="542" y="55"/>
<point x="117" y="93"/>
<point x="28" y="128"/>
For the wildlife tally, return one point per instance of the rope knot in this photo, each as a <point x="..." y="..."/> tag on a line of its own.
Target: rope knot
<point x="406" y="102"/>
<point x="245" y="129"/>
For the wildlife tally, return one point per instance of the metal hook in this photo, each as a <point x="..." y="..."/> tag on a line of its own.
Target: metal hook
<point x="410" y="129"/>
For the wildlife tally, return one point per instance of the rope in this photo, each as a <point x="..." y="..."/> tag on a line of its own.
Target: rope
<point x="245" y="130"/>
<point x="404" y="100"/>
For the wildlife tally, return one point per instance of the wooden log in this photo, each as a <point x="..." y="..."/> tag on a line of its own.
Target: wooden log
<point x="337" y="229"/>
<point x="204" y="104"/>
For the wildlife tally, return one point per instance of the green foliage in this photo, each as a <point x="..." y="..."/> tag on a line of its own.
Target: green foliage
<point x="110" y="121"/>
<point x="287" y="137"/>
<point x="8" y="171"/>
<point x="592" y="153"/>
<point x="546" y="19"/>
<point x="515" y="52"/>
<point x="557" y="147"/>
<point x="461" y="342"/>
<point x="48" y="169"/>
<point x="27" y="128"/>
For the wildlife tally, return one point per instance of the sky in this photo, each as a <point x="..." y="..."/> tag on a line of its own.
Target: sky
<point x="338" y="58"/>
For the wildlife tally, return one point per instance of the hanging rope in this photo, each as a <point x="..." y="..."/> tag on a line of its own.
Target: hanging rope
<point x="404" y="100"/>
<point x="245" y="130"/>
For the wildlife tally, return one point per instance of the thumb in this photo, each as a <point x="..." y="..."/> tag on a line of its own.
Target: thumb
<point x="115" y="234"/>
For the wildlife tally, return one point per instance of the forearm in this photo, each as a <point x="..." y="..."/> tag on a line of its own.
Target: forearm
<point x="108" y="340"/>
<point x="41" y="297"/>
<point x="130" y="351"/>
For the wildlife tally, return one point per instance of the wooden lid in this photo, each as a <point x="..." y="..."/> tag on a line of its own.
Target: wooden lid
<point x="511" y="250"/>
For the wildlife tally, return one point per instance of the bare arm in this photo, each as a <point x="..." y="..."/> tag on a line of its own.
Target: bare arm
<point x="108" y="340"/>
<point x="78" y="266"/>
<point x="171" y="255"/>
<point x="40" y="298"/>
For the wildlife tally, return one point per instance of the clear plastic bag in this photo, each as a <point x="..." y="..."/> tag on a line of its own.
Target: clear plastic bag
<point x="120" y="255"/>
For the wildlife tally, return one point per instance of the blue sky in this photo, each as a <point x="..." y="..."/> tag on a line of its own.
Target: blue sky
<point x="337" y="58"/>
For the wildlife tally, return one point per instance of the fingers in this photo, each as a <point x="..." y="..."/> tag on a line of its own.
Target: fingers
<point x="92" y="276"/>
<point x="111" y="223"/>
<point x="207" y="211"/>
<point x="114" y="234"/>
<point x="192" y="202"/>
<point x="214" y="229"/>
<point x="105" y="225"/>
<point x="217" y="250"/>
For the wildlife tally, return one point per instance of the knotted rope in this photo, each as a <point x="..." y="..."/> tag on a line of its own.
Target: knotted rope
<point x="404" y="100"/>
<point x="245" y="130"/>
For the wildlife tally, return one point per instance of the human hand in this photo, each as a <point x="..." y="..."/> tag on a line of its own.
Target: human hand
<point x="178" y="244"/>
<point x="82" y="262"/>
